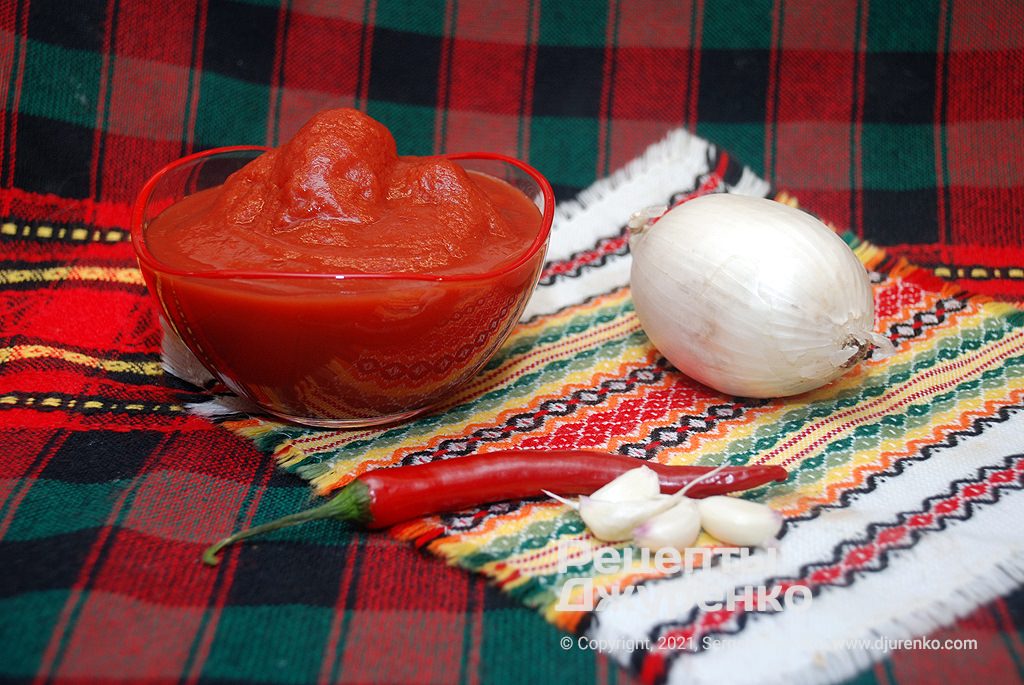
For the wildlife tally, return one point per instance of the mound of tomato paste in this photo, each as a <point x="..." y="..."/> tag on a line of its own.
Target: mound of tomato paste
<point x="338" y="198"/>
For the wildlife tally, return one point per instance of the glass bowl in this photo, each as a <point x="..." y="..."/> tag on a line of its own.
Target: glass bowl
<point x="339" y="350"/>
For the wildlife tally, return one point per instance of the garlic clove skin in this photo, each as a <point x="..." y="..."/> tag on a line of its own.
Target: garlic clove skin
<point x="675" y="528"/>
<point x="636" y="484"/>
<point x="738" y="521"/>
<point x="614" y="521"/>
<point x="750" y="296"/>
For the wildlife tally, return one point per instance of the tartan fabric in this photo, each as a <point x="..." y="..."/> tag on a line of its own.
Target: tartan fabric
<point x="873" y="115"/>
<point x="899" y="120"/>
<point x="579" y="373"/>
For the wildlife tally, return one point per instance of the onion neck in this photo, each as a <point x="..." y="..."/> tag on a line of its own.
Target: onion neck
<point x="639" y="222"/>
<point x="864" y="344"/>
<point x="861" y="349"/>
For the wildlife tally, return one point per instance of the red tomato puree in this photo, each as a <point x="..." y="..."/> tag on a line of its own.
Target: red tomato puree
<point x="337" y="199"/>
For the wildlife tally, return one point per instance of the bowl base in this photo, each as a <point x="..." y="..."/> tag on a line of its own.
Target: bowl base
<point x="342" y="424"/>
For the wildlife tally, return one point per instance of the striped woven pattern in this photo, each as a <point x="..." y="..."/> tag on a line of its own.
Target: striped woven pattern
<point x="822" y="101"/>
<point x="583" y="375"/>
<point x="898" y="120"/>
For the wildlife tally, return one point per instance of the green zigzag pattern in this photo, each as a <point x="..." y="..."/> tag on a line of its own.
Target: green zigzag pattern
<point x="812" y="469"/>
<point x="522" y="387"/>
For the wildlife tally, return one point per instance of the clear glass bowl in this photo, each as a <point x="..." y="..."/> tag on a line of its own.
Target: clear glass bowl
<point x="339" y="350"/>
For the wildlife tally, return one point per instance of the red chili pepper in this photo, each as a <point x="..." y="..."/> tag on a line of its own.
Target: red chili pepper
<point x="384" y="497"/>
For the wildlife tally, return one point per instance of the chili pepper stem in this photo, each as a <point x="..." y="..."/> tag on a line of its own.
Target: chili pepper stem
<point x="350" y="504"/>
<point x="681" y="492"/>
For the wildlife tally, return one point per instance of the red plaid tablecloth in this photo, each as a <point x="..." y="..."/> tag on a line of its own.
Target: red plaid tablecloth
<point x="902" y="121"/>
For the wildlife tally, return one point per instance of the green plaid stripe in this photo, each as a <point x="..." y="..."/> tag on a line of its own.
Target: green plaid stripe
<point x="910" y="140"/>
<point x="893" y="155"/>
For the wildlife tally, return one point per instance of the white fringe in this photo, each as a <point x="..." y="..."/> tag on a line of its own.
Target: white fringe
<point x="600" y="211"/>
<point x="223" y="405"/>
<point x="943" y="576"/>
<point x="676" y="145"/>
<point x="751" y="184"/>
<point x="179" y="361"/>
<point x="840" y="664"/>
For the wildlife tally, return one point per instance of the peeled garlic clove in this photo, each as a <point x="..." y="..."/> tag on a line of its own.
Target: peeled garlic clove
<point x="738" y="521"/>
<point x="615" y="521"/>
<point x="675" y="528"/>
<point x="636" y="484"/>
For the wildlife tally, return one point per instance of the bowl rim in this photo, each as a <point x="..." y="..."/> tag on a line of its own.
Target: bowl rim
<point x="147" y="259"/>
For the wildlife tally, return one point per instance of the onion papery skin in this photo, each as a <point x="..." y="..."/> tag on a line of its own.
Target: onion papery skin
<point x="750" y="296"/>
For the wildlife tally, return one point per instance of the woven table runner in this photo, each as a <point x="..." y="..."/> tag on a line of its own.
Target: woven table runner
<point x="904" y="495"/>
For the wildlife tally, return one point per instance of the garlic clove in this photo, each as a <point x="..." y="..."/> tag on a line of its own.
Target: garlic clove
<point x="675" y="528"/>
<point x="738" y="521"/>
<point x="615" y="521"/>
<point x="635" y="484"/>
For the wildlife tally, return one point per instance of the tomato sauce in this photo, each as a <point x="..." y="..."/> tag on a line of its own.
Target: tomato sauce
<point x="337" y="198"/>
<point x="332" y="281"/>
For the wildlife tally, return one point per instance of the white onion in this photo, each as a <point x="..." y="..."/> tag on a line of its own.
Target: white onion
<point x="750" y="296"/>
